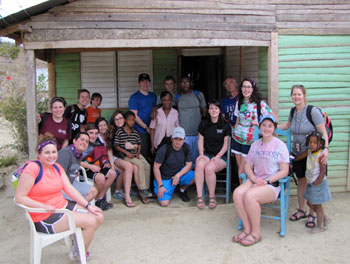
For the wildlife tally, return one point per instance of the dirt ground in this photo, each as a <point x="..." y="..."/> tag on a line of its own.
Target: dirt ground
<point x="184" y="234"/>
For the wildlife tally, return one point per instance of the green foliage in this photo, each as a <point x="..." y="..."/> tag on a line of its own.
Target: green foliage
<point x="9" y="50"/>
<point x="13" y="107"/>
<point x="8" y="161"/>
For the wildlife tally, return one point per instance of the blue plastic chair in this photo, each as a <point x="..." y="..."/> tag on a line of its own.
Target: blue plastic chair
<point x="223" y="179"/>
<point x="283" y="204"/>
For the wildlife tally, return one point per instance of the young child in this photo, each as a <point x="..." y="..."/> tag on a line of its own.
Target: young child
<point x="98" y="168"/>
<point x="93" y="112"/>
<point x="127" y="142"/>
<point x="317" y="190"/>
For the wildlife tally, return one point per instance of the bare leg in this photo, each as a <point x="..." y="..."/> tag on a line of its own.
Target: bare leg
<point x="127" y="169"/>
<point x="91" y="194"/>
<point x="199" y="174"/>
<point x="109" y="179"/>
<point x="322" y="220"/>
<point x="99" y="183"/>
<point x="211" y="168"/>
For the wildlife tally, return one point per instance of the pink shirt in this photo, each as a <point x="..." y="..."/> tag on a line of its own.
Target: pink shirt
<point x="164" y="125"/>
<point x="265" y="158"/>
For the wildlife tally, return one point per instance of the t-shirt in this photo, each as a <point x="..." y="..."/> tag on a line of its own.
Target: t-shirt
<point x="228" y="107"/>
<point x="58" y="130"/>
<point x="214" y="135"/>
<point x="244" y="131"/>
<point x="190" y="112"/>
<point x="175" y="161"/>
<point x="301" y="128"/>
<point x="164" y="125"/>
<point x="77" y="117"/>
<point x="265" y="158"/>
<point x="121" y="137"/>
<point x="143" y="104"/>
<point x="69" y="162"/>
<point x="92" y="114"/>
<point x="47" y="190"/>
<point x="313" y="166"/>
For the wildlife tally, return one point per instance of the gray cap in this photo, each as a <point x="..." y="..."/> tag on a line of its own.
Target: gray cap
<point x="178" y="132"/>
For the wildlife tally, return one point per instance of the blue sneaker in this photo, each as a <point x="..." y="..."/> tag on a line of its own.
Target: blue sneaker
<point x="119" y="194"/>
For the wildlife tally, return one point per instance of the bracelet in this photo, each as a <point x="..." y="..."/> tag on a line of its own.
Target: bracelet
<point x="88" y="204"/>
<point x="160" y="186"/>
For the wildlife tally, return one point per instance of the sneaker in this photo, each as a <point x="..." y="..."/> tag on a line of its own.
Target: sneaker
<point x="119" y="194"/>
<point x="184" y="196"/>
<point x="110" y="205"/>
<point x="102" y="205"/>
<point x="146" y="193"/>
<point x="75" y="256"/>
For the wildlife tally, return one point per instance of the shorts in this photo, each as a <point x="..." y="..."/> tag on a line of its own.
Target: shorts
<point x="299" y="168"/>
<point x="239" y="148"/>
<point x="46" y="226"/>
<point x="91" y="175"/>
<point x="82" y="187"/>
<point x="318" y="194"/>
<point x="185" y="180"/>
<point x="223" y="158"/>
<point x="277" y="189"/>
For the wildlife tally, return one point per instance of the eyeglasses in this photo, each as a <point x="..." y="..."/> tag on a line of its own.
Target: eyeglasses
<point x="246" y="87"/>
<point x="117" y="119"/>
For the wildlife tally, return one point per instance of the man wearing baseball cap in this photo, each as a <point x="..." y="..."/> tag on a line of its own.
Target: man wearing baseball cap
<point x="141" y="103"/>
<point x="172" y="167"/>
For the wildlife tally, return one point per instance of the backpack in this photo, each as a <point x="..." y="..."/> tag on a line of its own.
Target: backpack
<point x="17" y="174"/>
<point x="167" y="141"/>
<point x="328" y="121"/>
<point x="45" y="116"/>
<point x="196" y="93"/>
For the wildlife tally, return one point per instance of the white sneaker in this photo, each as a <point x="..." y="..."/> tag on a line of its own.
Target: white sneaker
<point x="75" y="255"/>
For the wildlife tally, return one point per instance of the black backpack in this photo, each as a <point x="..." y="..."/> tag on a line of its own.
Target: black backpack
<point x="167" y="141"/>
<point x="327" y="119"/>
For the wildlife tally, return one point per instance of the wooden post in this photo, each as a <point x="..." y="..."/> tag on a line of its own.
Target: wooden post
<point x="52" y="74"/>
<point x="273" y="73"/>
<point x="347" y="188"/>
<point x="32" y="123"/>
<point x="240" y="63"/>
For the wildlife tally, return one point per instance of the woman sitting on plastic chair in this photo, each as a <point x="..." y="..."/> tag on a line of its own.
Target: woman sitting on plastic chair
<point x="46" y="193"/>
<point x="267" y="162"/>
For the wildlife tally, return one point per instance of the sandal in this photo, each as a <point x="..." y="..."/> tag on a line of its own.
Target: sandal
<point x="129" y="204"/>
<point x="212" y="203"/>
<point x="295" y="216"/>
<point x="311" y="223"/>
<point x="143" y="198"/>
<point x="249" y="242"/>
<point x="200" y="202"/>
<point x="237" y="238"/>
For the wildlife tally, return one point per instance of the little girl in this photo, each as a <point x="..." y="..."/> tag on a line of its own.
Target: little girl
<point x="317" y="190"/>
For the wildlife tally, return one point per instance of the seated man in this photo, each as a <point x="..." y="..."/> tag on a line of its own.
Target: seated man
<point x="69" y="158"/>
<point x="98" y="167"/>
<point x="172" y="166"/>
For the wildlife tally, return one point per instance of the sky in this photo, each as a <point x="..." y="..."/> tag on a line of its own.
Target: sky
<point x="8" y="7"/>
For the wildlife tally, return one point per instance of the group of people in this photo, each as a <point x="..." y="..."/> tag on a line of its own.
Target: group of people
<point x="188" y="140"/>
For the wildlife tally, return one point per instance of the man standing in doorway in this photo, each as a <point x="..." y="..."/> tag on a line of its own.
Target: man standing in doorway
<point x="141" y="103"/>
<point x="192" y="107"/>
<point x="77" y="113"/>
<point x="229" y="102"/>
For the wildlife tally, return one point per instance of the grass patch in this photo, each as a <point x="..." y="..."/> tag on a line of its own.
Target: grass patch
<point x="5" y="162"/>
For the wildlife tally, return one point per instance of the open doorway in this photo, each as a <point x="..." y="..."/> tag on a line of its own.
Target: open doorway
<point x="207" y="74"/>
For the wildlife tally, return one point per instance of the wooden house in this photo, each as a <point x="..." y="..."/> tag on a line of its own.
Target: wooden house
<point x="103" y="45"/>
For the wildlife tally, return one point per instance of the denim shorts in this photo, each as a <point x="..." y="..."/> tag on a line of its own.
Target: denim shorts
<point x="239" y="148"/>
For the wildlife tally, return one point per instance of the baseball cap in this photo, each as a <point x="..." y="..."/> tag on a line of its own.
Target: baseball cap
<point x="271" y="117"/>
<point x="144" y="76"/>
<point x="178" y="132"/>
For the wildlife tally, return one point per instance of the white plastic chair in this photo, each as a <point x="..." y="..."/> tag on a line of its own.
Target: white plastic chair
<point x="91" y="182"/>
<point x="40" y="240"/>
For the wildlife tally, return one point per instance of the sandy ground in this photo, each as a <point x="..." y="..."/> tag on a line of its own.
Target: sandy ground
<point x="184" y="234"/>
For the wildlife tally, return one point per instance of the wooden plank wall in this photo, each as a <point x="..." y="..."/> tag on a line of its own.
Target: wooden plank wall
<point x="262" y="74"/>
<point x="322" y="65"/>
<point x="233" y="62"/>
<point x="68" y="76"/>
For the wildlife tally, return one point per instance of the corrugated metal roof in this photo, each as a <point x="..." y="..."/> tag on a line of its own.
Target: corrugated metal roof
<point x="29" y="12"/>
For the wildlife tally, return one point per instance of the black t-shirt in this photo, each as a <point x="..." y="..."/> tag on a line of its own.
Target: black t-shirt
<point x="214" y="134"/>
<point x="77" y="116"/>
<point x="175" y="161"/>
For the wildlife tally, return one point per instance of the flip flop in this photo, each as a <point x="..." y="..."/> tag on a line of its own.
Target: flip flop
<point x="129" y="204"/>
<point x="236" y="238"/>
<point x="200" y="202"/>
<point x="296" y="217"/>
<point x="212" y="203"/>
<point x="250" y="242"/>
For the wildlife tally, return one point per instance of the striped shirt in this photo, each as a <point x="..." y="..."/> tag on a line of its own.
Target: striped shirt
<point x="121" y="137"/>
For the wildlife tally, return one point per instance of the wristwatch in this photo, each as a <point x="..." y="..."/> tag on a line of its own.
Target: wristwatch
<point x="267" y="179"/>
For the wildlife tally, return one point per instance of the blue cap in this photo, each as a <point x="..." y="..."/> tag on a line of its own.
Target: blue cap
<point x="178" y="132"/>
<point x="271" y="117"/>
